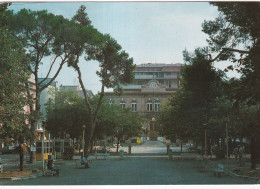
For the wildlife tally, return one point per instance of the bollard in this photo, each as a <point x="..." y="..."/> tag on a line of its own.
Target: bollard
<point x="129" y="149"/>
<point x="168" y="147"/>
<point x="170" y="154"/>
<point x="121" y="154"/>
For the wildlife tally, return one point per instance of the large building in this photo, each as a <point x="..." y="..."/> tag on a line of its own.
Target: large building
<point x="152" y="86"/>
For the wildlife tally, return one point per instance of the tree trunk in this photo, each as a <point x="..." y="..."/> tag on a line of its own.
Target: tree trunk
<point x="118" y="140"/>
<point x="91" y="148"/>
<point x="181" y="146"/>
<point x="21" y="155"/>
<point x="253" y="152"/>
<point x="36" y="116"/>
<point x="79" y="145"/>
<point x="33" y="143"/>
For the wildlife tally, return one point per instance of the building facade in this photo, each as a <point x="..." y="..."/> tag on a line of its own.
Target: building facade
<point x="152" y="87"/>
<point x="32" y="91"/>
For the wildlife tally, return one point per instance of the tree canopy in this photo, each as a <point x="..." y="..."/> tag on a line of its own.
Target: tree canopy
<point x="13" y="77"/>
<point x="115" y="65"/>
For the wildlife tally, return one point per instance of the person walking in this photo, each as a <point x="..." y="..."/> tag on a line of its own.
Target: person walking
<point x="241" y="152"/>
<point x="235" y="153"/>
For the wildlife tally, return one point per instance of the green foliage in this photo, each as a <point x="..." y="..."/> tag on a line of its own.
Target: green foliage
<point x="82" y="17"/>
<point x="205" y="95"/>
<point x="116" y="122"/>
<point x="116" y="66"/>
<point x="125" y="123"/>
<point x="49" y="37"/>
<point x="237" y="31"/>
<point x="67" y="114"/>
<point x="13" y="77"/>
<point x="201" y="84"/>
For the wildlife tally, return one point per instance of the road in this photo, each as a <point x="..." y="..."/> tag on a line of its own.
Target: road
<point x="133" y="170"/>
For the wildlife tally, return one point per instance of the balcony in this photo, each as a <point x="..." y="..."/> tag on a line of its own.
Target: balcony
<point x="155" y="77"/>
<point x="144" y="77"/>
<point x="170" y="76"/>
<point x="131" y="86"/>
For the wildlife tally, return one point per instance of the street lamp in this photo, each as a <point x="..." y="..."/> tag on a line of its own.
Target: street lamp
<point x="83" y="139"/>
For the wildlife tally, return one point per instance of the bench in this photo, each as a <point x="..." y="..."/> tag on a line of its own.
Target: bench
<point x="104" y="154"/>
<point x="219" y="171"/>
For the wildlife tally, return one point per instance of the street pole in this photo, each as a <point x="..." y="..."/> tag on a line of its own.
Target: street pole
<point x="83" y="139"/>
<point x="43" y="130"/>
<point x="205" y="143"/>
<point x="227" y="147"/>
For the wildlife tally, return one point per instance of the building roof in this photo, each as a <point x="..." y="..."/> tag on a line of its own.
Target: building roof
<point x="139" y="93"/>
<point x="157" y="67"/>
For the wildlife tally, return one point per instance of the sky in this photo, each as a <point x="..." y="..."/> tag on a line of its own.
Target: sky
<point x="150" y="32"/>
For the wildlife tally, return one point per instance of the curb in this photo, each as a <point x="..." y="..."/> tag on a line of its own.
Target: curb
<point x="27" y="177"/>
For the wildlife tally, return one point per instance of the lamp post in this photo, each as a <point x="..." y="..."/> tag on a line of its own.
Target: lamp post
<point x="83" y="139"/>
<point x="152" y="129"/>
<point x="43" y="133"/>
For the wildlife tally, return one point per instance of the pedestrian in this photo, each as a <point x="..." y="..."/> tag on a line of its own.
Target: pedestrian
<point x="105" y="149"/>
<point x="241" y="152"/>
<point x="235" y="152"/>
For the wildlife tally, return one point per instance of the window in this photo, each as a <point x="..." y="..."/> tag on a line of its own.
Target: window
<point x="157" y="105"/>
<point x="134" y="106"/>
<point x="149" y="105"/>
<point x="122" y="103"/>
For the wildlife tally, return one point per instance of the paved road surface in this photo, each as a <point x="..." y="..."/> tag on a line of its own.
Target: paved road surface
<point x="148" y="170"/>
<point x="132" y="171"/>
